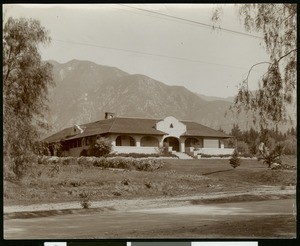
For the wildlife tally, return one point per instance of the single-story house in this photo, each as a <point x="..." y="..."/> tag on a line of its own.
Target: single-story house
<point x="141" y="135"/>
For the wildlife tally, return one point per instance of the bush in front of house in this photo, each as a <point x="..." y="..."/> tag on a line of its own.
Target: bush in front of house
<point x="211" y="156"/>
<point x="142" y="155"/>
<point x="101" y="147"/>
<point x="140" y="164"/>
<point x="84" y="152"/>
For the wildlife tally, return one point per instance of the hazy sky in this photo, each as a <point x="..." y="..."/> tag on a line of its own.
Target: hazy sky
<point x="173" y="51"/>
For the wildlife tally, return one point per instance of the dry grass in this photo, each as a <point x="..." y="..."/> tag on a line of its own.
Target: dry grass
<point x="177" y="177"/>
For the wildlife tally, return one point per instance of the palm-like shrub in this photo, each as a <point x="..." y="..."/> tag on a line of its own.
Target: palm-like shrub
<point x="270" y="157"/>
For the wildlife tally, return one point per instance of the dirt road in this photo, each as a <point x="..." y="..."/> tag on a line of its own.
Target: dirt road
<point x="258" y="219"/>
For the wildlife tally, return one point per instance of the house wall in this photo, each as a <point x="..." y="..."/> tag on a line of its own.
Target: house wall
<point x="210" y="143"/>
<point x="209" y="151"/>
<point x="216" y="151"/>
<point x="134" y="149"/>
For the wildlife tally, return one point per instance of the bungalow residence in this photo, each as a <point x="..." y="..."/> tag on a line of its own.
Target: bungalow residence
<point x="139" y="135"/>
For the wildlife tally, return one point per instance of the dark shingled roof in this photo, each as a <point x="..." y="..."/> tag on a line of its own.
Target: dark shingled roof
<point x="114" y="125"/>
<point x="131" y="126"/>
<point x="198" y="130"/>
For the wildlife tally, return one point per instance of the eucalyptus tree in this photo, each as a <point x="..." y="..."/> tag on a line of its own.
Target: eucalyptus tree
<point x="26" y="79"/>
<point x="277" y="88"/>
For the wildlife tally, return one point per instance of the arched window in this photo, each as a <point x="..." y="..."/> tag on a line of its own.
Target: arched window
<point x="125" y="140"/>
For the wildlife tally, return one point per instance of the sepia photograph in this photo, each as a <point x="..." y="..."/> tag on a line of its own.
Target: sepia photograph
<point x="149" y="121"/>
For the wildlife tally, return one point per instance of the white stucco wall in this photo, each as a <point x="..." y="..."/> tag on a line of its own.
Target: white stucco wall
<point x="215" y="151"/>
<point x="134" y="149"/>
<point x="210" y="143"/>
<point x="177" y="130"/>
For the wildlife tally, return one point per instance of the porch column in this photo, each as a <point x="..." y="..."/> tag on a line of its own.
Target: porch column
<point x="182" y="144"/>
<point x="113" y="140"/>
<point x="138" y="141"/>
<point x="161" y="142"/>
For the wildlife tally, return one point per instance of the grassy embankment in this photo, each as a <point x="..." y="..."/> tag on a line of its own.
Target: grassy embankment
<point x="176" y="177"/>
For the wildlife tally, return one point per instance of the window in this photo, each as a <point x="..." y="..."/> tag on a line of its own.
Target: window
<point x="119" y="141"/>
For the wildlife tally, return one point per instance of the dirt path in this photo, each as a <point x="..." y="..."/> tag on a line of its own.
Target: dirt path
<point x="272" y="219"/>
<point x="266" y="192"/>
<point x="175" y="217"/>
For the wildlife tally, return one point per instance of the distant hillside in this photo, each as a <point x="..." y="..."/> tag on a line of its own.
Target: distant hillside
<point x="85" y="91"/>
<point x="210" y="98"/>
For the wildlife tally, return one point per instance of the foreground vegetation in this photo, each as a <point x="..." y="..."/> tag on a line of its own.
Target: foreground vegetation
<point x="74" y="182"/>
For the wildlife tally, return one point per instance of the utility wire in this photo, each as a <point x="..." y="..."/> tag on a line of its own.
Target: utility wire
<point x="146" y="53"/>
<point x="194" y="22"/>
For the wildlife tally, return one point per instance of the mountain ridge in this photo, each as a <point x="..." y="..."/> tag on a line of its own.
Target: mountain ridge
<point x="85" y="91"/>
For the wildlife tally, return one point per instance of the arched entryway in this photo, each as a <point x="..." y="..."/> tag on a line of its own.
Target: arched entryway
<point x="125" y="140"/>
<point x="172" y="142"/>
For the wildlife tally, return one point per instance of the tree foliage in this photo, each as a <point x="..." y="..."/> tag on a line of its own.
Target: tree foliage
<point x="101" y="147"/>
<point x="25" y="85"/>
<point x="235" y="161"/>
<point x="247" y="141"/>
<point x="277" y="87"/>
<point x="270" y="157"/>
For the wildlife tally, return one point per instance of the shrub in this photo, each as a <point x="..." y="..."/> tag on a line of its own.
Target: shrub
<point x="101" y="147"/>
<point x="210" y="156"/>
<point x="242" y="147"/>
<point x="142" y="155"/>
<point x="142" y="164"/>
<point x="84" y="152"/>
<point x="86" y="200"/>
<point x="290" y="146"/>
<point x="235" y="161"/>
<point x="164" y="150"/>
<point x="68" y="160"/>
<point x="270" y="157"/>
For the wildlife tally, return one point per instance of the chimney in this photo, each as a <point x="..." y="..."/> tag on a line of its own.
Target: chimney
<point x="109" y="115"/>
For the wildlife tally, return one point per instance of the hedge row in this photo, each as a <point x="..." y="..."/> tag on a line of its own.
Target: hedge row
<point x="142" y="164"/>
<point x="227" y="155"/>
<point x="141" y="155"/>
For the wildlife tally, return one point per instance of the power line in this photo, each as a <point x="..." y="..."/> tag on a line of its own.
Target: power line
<point x="146" y="53"/>
<point x="192" y="21"/>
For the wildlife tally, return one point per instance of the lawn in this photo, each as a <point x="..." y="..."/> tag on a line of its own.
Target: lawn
<point x="175" y="178"/>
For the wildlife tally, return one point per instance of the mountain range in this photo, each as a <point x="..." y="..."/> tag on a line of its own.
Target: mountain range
<point x="84" y="91"/>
